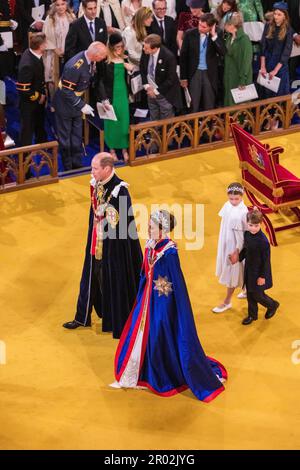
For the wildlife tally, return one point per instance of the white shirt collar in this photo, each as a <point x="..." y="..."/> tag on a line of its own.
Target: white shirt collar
<point x="39" y="56"/>
<point x="155" y="55"/>
<point x="159" y="19"/>
<point x="109" y="178"/>
<point x="93" y="181"/>
<point x="89" y="21"/>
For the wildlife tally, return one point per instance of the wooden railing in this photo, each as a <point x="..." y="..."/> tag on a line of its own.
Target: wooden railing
<point x="160" y="140"/>
<point x="17" y="163"/>
<point x="193" y="133"/>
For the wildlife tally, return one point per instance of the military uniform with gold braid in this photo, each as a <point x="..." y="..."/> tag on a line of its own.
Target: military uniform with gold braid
<point x="68" y="103"/>
<point x="31" y="86"/>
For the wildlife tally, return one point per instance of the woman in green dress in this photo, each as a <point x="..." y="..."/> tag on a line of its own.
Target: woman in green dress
<point x="238" y="61"/>
<point x="113" y="87"/>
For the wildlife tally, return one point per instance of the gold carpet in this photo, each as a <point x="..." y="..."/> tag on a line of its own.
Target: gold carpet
<point x="54" y="390"/>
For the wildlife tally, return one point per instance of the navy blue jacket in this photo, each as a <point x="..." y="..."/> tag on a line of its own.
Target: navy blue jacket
<point x="256" y="252"/>
<point x="75" y="79"/>
<point x="31" y="79"/>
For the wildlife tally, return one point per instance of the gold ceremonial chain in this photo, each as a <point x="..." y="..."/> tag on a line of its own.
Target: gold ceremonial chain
<point x="100" y="201"/>
<point x="100" y="194"/>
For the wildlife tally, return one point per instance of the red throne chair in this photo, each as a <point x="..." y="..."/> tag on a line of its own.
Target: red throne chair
<point x="269" y="186"/>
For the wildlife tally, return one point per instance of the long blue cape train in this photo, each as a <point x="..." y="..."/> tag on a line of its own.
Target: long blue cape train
<point x="172" y="358"/>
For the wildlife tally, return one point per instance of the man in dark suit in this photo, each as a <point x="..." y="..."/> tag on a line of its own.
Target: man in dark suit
<point x="32" y="92"/>
<point x="85" y="30"/>
<point x="164" y="26"/>
<point x="159" y="77"/>
<point x="199" y="59"/>
<point x="25" y="19"/>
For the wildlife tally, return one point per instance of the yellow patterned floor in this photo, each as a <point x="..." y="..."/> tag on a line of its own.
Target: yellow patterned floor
<point x="53" y="388"/>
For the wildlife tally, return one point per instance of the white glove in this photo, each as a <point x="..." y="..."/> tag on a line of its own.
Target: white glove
<point x="87" y="109"/>
<point x="13" y="24"/>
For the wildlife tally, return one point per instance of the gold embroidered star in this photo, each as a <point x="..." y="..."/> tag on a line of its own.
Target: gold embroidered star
<point x="163" y="286"/>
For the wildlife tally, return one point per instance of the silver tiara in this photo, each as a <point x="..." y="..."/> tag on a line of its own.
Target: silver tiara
<point x="235" y="188"/>
<point x="160" y="219"/>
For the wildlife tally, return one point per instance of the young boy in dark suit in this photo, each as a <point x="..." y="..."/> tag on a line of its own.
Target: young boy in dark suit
<point x="258" y="275"/>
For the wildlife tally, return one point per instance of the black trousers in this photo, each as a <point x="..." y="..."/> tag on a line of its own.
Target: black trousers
<point x="69" y="133"/>
<point x="95" y="294"/>
<point x="32" y="116"/>
<point x="255" y="298"/>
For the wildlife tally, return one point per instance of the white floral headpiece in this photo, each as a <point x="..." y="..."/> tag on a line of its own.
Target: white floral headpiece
<point x="160" y="219"/>
<point x="236" y="189"/>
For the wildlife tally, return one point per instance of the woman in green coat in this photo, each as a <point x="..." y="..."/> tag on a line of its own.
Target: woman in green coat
<point x="238" y="60"/>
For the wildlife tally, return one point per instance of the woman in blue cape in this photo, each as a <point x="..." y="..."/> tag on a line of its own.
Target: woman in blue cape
<point x="159" y="348"/>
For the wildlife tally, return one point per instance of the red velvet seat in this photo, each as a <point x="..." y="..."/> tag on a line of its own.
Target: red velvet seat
<point x="269" y="186"/>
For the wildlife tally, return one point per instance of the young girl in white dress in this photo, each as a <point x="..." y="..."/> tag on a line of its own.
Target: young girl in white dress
<point x="231" y="237"/>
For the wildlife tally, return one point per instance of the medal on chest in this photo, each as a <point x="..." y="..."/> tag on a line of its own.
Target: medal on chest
<point x="100" y="207"/>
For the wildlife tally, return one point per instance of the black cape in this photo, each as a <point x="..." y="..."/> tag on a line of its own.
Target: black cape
<point x="121" y="265"/>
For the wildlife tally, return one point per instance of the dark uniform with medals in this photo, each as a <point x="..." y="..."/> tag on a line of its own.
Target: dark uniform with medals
<point x="68" y="102"/>
<point x="31" y="86"/>
<point x="113" y="258"/>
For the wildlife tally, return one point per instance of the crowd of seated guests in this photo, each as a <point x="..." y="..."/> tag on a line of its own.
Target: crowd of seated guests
<point x="203" y="46"/>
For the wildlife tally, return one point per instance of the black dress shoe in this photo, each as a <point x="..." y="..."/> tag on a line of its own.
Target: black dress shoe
<point x="72" y="325"/>
<point x="271" y="312"/>
<point x="248" y="320"/>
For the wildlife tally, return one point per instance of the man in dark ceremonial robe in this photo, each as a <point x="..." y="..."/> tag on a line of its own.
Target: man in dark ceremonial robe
<point x="113" y="259"/>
